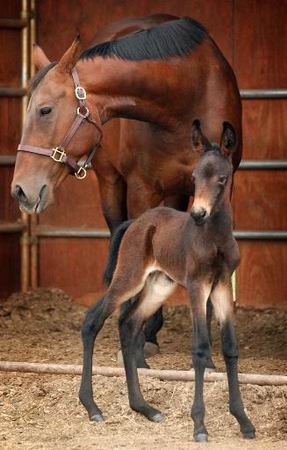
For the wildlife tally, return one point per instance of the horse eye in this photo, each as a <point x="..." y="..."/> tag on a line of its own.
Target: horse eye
<point x="222" y="180"/>
<point x="46" y="110"/>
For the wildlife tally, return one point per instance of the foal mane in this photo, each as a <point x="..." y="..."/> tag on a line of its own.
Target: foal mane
<point x="169" y="39"/>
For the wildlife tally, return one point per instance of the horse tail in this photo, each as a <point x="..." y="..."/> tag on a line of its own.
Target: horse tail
<point x="114" y="251"/>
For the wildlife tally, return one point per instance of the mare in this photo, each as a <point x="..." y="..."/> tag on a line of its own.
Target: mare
<point x="161" y="79"/>
<point x="164" y="248"/>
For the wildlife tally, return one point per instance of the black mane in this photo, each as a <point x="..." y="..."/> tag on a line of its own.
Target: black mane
<point x="170" y="39"/>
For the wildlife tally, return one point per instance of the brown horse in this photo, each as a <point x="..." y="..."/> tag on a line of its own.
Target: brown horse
<point x="164" y="248"/>
<point x="164" y="77"/>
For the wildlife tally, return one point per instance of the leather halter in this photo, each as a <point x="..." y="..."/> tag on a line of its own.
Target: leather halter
<point x="58" y="154"/>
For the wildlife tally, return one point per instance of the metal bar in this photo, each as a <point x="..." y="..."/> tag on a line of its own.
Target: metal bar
<point x="66" y="232"/>
<point x="260" y="235"/>
<point x="7" y="91"/>
<point x="270" y="164"/>
<point x="13" y="23"/>
<point x="7" y="160"/>
<point x="254" y="94"/>
<point x="13" y="227"/>
<point x="44" y="231"/>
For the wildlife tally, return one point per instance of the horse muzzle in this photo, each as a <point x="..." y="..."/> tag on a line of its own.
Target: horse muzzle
<point x="30" y="203"/>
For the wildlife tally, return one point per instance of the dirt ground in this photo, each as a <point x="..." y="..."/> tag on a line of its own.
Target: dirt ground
<point x="43" y="412"/>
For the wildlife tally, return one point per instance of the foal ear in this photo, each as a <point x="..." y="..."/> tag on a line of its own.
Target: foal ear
<point x="228" y="139"/>
<point x="198" y="140"/>
<point x="39" y="57"/>
<point x="70" y="57"/>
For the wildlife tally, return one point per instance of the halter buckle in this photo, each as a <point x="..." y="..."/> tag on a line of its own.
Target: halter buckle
<point x="84" y="114"/>
<point x="81" y="173"/>
<point x="58" y="154"/>
<point x="80" y="93"/>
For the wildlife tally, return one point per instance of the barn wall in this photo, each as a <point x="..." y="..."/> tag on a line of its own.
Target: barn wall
<point x="10" y="120"/>
<point x="252" y="36"/>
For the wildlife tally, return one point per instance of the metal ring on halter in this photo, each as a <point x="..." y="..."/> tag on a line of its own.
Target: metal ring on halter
<point x="80" y="113"/>
<point x="81" y="173"/>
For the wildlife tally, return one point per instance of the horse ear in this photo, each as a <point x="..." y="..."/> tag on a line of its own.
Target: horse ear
<point x="198" y="140"/>
<point x="39" y="58"/>
<point x="228" y="139"/>
<point x="70" y="57"/>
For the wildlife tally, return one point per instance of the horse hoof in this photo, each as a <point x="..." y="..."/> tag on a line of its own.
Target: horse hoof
<point x="97" y="418"/>
<point x="150" y="349"/>
<point x="158" y="417"/>
<point x="249" y="435"/>
<point x="201" y="437"/>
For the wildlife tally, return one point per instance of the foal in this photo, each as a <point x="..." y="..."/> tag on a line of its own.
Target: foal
<point x="164" y="248"/>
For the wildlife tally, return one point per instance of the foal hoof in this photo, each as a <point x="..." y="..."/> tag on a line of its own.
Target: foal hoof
<point x="249" y="435"/>
<point x="97" y="418"/>
<point x="158" y="417"/>
<point x="150" y="349"/>
<point x="201" y="437"/>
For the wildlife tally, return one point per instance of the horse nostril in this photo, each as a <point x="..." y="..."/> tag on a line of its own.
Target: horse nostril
<point x="198" y="215"/>
<point x="19" y="194"/>
<point x="202" y="213"/>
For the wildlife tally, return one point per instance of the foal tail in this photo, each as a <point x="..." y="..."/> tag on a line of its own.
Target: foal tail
<point x="114" y="250"/>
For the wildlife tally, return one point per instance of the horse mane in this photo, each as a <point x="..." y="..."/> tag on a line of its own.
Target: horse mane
<point x="169" y="39"/>
<point x="38" y="77"/>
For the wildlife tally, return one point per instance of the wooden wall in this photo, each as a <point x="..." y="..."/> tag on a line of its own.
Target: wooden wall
<point x="10" y="131"/>
<point x="252" y="34"/>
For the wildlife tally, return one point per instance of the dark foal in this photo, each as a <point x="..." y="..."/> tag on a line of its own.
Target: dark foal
<point x="164" y="248"/>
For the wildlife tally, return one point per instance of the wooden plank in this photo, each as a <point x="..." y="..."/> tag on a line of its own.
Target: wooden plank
<point x="259" y="201"/>
<point x="10" y="264"/>
<point x="10" y="62"/>
<point x="72" y="265"/>
<point x="264" y="129"/>
<point x="260" y="36"/>
<point x="261" y="276"/>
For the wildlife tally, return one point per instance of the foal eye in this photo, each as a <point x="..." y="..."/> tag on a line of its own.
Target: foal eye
<point x="46" y="110"/>
<point x="222" y="180"/>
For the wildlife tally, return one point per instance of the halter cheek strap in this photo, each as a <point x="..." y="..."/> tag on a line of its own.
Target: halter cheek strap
<point x="58" y="154"/>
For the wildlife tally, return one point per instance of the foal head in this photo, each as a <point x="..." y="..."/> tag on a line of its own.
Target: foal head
<point x="53" y="109"/>
<point x="213" y="173"/>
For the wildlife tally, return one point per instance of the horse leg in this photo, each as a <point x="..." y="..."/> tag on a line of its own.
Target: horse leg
<point x="157" y="288"/>
<point x="223" y="305"/>
<point x="201" y="353"/>
<point x="122" y="287"/>
<point x="113" y="192"/>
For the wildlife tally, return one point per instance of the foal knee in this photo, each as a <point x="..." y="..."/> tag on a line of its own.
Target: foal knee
<point x="94" y="319"/>
<point x="201" y="356"/>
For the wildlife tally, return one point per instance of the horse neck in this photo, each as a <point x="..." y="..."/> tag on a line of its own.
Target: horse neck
<point x="128" y="89"/>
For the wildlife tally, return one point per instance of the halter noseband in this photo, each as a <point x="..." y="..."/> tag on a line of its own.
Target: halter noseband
<point x="58" y="154"/>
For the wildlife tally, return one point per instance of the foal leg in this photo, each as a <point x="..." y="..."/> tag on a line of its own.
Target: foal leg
<point x="157" y="288"/>
<point x="223" y="306"/>
<point x="201" y="354"/>
<point x="119" y="292"/>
